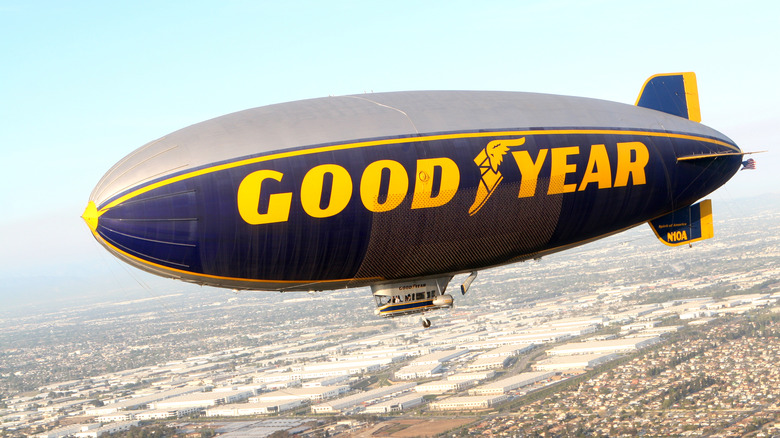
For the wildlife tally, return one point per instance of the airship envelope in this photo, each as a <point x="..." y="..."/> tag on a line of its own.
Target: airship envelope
<point x="402" y="191"/>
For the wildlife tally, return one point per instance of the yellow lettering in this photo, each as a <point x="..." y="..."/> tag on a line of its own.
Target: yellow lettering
<point x="372" y="179"/>
<point x="423" y="186"/>
<point x="626" y="167"/>
<point x="598" y="160"/>
<point x="248" y="198"/>
<point x="561" y="168"/>
<point x="529" y="171"/>
<point x="312" y="189"/>
<point x="677" y="236"/>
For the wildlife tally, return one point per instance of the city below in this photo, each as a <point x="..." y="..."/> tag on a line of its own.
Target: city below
<point x="624" y="336"/>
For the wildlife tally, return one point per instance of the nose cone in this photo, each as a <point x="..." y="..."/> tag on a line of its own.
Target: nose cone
<point x="90" y="216"/>
<point x="157" y="229"/>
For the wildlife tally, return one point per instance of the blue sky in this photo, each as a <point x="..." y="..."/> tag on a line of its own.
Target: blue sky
<point x="84" y="83"/>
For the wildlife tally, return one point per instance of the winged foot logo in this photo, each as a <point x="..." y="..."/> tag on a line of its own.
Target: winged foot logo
<point x="488" y="161"/>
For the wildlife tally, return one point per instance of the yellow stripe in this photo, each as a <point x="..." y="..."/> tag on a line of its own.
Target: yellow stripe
<point x="692" y="96"/>
<point x="318" y="150"/>
<point x="705" y="219"/>
<point x="697" y="157"/>
<point x="385" y="312"/>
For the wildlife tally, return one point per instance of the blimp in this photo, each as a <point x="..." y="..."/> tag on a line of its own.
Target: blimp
<point x="402" y="191"/>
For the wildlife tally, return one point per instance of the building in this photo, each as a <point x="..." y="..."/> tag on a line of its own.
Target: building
<point x="640" y="325"/>
<point x="700" y="313"/>
<point x="634" y="313"/>
<point x="141" y="401"/>
<point x="256" y="408"/>
<point x="438" y="357"/>
<point x="467" y="403"/>
<point x="507" y="350"/>
<point x="161" y="414"/>
<point x="107" y="429"/>
<point x="488" y="363"/>
<point x="274" y="377"/>
<point x="393" y="353"/>
<point x="535" y="336"/>
<point x="364" y="364"/>
<point x="396" y="404"/>
<point x="344" y="369"/>
<point x="116" y="417"/>
<point x="579" y="321"/>
<point x="202" y="399"/>
<point x="326" y="381"/>
<point x="64" y="406"/>
<point x="423" y="371"/>
<point x="316" y="393"/>
<point x="67" y="431"/>
<point x="482" y="375"/>
<point x="575" y="362"/>
<point x="101" y="410"/>
<point x="442" y="386"/>
<point x="508" y="384"/>
<point x="354" y="401"/>
<point x="609" y="346"/>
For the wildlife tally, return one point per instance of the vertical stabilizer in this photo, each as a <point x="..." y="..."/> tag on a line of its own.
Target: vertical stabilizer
<point x="686" y="225"/>
<point x="673" y="93"/>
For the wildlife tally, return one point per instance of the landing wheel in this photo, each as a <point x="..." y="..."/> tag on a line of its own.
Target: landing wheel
<point x="426" y="322"/>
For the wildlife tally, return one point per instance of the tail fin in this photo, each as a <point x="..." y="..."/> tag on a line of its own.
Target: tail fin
<point x="673" y="93"/>
<point x="686" y="225"/>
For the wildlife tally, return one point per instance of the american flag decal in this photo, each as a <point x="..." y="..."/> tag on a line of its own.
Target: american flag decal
<point x="749" y="164"/>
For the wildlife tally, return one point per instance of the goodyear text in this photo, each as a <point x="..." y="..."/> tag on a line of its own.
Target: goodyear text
<point x="327" y="189"/>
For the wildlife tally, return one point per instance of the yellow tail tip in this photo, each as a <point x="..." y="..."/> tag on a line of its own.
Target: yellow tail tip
<point x="91" y="216"/>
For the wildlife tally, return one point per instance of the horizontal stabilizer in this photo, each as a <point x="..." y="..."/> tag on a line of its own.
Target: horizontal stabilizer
<point x="720" y="154"/>
<point x="686" y="225"/>
<point x="702" y="156"/>
<point x="672" y="93"/>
